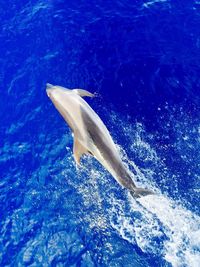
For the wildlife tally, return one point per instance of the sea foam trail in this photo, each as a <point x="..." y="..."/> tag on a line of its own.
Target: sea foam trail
<point x="160" y="226"/>
<point x="157" y="224"/>
<point x="181" y="226"/>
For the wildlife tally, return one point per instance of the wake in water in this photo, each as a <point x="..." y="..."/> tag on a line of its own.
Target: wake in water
<point x="158" y="225"/>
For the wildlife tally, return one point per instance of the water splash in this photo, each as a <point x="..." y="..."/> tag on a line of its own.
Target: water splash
<point x="158" y="224"/>
<point x="163" y="227"/>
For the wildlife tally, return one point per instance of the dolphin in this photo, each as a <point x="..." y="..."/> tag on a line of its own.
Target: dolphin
<point x="91" y="135"/>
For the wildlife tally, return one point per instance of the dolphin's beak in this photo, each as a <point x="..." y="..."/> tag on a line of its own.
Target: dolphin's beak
<point x="49" y="87"/>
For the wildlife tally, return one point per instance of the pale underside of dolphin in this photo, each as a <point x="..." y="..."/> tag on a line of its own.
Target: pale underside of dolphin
<point x="91" y="135"/>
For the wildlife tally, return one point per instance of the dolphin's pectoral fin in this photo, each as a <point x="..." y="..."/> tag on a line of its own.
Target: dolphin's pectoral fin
<point x="78" y="150"/>
<point x="82" y="92"/>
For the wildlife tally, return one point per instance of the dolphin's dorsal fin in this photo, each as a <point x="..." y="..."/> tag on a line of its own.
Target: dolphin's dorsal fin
<point x="82" y="92"/>
<point x="78" y="150"/>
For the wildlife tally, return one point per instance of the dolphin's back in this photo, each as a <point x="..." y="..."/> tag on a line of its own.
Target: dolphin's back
<point x="110" y="158"/>
<point x="100" y="137"/>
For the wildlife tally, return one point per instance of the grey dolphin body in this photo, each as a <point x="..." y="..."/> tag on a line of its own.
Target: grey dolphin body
<point x="91" y="135"/>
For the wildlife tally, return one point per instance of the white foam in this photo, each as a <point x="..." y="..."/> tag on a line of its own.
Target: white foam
<point x="181" y="226"/>
<point x="159" y="216"/>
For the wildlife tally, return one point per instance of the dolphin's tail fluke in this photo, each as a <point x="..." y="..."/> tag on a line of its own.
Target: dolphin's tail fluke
<point x="140" y="192"/>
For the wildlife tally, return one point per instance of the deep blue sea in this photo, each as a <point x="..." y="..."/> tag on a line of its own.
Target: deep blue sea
<point x="143" y="59"/>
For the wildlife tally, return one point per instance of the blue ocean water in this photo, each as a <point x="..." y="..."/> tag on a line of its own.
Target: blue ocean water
<point x="142" y="57"/>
